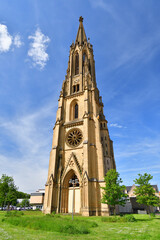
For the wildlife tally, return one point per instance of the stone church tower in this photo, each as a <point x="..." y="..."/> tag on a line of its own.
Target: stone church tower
<point x="82" y="151"/>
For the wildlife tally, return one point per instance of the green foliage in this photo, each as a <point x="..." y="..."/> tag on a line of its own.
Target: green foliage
<point x="152" y="214"/>
<point x="22" y="195"/>
<point x="145" y="228"/>
<point x="8" y="191"/>
<point x="25" y="203"/>
<point x="71" y="229"/>
<point x="113" y="192"/>
<point x="14" y="214"/>
<point x="129" y="218"/>
<point x="125" y="218"/>
<point x="111" y="219"/>
<point x="53" y="224"/>
<point x="145" y="193"/>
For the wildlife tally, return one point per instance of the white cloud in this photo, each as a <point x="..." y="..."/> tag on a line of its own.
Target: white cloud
<point x="17" y="41"/>
<point x="5" y="39"/>
<point x="38" y="48"/>
<point x="116" y="125"/>
<point x="31" y="135"/>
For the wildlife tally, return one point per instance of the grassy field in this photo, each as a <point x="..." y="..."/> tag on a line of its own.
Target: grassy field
<point x="34" y="225"/>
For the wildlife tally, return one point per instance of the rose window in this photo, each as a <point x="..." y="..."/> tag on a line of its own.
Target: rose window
<point x="74" y="137"/>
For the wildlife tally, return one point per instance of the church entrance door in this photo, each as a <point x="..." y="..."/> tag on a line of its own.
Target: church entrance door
<point x="75" y="200"/>
<point x="74" y="195"/>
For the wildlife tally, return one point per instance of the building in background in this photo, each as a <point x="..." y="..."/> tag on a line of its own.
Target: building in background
<point x="132" y="206"/>
<point x="37" y="199"/>
<point x="82" y="151"/>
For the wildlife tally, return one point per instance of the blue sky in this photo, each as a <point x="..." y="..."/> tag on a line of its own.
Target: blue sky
<point x="35" y="36"/>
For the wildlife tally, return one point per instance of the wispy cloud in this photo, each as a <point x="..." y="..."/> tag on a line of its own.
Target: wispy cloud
<point x="38" y="47"/>
<point x="146" y="147"/>
<point x="5" y="39"/>
<point x="104" y="6"/>
<point x="17" y="41"/>
<point x="116" y="125"/>
<point x="140" y="169"/>
<point x="134" y="52"/>
<point x="31" y="135"/>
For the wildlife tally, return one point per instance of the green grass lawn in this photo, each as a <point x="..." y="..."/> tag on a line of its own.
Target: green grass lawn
<point x="34" y="225"/>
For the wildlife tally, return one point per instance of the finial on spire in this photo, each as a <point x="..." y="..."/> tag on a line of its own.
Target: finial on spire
<point x="81" y="19"/>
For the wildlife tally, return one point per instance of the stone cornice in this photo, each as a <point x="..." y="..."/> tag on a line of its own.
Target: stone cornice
<point x="73" y="95"/>
<point x="73" y="123"/>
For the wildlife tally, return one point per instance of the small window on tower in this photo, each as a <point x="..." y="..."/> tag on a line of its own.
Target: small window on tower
<point x="77" y="87"/>
<point x="74" y="88"/>
<point x="76" y="64"/>
<point x="84" y="55"/>
<point x="102" y="139"/>
<point x="104" y="124"/>
<point x="76" y="111"/>
<point x="90" y="67"/>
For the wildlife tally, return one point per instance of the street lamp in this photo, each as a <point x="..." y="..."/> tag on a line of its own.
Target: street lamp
<point x="73" y="182"/>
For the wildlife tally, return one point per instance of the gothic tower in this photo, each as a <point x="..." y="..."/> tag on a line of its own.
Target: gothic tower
<point x="82" y="151"/>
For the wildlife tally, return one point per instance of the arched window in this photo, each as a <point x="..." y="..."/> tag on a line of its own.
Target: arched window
<point x="76" y="111"/>
<point x="84" y="56"/>
<point x="76" y="64"/>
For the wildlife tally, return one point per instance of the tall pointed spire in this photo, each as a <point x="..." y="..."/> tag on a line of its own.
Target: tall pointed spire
<point x="81" y="35"/>
<point x="82" y="150"/>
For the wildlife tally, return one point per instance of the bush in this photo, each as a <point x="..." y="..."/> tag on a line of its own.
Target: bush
<point x="13" y="214"/>
<point x="125" y="218"/>
<point x="53" y="214"/>
<point x="72" y="229"/>
<point x="53" y="224"/>
<point x="129" y="218"/>
<point x="110" y="219"/>
<point x="152" y="214"/>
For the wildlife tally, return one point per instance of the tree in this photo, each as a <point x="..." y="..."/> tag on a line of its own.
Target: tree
<point x="22" y="195"/>
<point x="113" y="192"/>
<point x="145" y="193"/>
<point x="8" y="191"/>
<point x="25" y="203"/>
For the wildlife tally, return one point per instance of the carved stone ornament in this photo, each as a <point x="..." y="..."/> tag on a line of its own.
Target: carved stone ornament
<point x="85" y="181"/>
<point x="71" y="163"/>
<point x="74" y="137"/>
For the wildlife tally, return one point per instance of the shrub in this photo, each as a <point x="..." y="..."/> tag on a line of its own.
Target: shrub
<point x="152" y="214"/>
<point x="125" y="218"/>
<point x="129" y="218"/>
<point x="13" y="214"/>
<point x="72" y="229"/>
<point x="53" y="224"/>
<point x="110" y="219"/>
<point x="94" y="224"/>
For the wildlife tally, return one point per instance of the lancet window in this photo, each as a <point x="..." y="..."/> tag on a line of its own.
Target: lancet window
<point x="76" y="64"/>
<point x="76" y="111"/>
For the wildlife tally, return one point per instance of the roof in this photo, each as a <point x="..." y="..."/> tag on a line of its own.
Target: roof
<point x="37" y="194"/>
<point x="81" y="35"/>
<point x="128" y="188"/>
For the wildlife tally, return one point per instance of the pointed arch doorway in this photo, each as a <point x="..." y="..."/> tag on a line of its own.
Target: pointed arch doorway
<point x="71" y="194"/>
